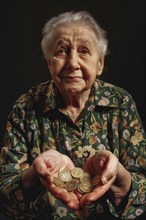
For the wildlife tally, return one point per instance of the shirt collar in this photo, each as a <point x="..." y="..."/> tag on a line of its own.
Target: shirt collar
<point x="105" y="94"/>
<point x="48" y="98"/>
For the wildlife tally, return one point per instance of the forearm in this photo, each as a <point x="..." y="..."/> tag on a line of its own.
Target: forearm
<point x="31" y="186"/>
<point x="18" y="201"/>
<point x="133" y="204"/>
<point x="136" y="203"/>
<point x="121" y="187"/>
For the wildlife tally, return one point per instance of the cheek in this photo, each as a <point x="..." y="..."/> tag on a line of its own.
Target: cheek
<point x="55" y="68"/>
<point x="94" y="68"/>
<point x="90" y="70"/>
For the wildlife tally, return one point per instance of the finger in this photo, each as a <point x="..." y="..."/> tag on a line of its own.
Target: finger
<point x="67" y="162"/>
<point x="74" y="202"/>
<point x="70" y="166"/>
<point x="60" y="193"/>
<point x="97" y="192"/>
<point x="40" y="167"/>
<point x="110" y="169"/>
<point x="78" y="194"/>
<point x="105" y="163"/>
<point x="69" y="198"/>
<point x="56" y="161"/>
<point x="46" y="180"/>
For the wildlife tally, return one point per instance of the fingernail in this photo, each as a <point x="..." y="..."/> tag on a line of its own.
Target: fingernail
<point x="104" y="180"/>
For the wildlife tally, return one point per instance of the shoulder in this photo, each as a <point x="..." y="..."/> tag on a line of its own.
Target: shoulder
<point x="32" y="102"/>
<point x="115" y="90"/>
<point x="114" y="95"/>
<point x="30" y="98"/>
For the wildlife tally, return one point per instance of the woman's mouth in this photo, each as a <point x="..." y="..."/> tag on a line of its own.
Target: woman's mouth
<point x="72" y="78"/>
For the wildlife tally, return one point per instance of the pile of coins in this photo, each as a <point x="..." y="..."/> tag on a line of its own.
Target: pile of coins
<point x="76" y="179"/>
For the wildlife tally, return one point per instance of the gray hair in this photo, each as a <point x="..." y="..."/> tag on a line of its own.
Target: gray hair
<point x="68" y="18"/>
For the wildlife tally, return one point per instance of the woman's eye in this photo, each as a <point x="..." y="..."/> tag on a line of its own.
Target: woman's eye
<point x="84" y="50"/>
<point x="61" y="51"/>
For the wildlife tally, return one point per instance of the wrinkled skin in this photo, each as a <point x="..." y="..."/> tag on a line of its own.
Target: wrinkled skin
<point x="52" y="162"/>
<point x="103" y="163"/>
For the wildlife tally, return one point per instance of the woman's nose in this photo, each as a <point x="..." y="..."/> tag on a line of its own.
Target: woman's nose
<point x="73" y="61"/>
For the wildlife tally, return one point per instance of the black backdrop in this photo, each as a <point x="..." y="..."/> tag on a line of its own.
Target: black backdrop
<point x="22" y="63"/>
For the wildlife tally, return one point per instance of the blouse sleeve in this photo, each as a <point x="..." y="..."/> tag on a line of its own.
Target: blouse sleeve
<point x="132" y="146"/>
<point x="14" y="161"/>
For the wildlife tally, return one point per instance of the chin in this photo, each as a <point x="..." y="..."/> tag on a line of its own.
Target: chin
<point x="73" y="90"/>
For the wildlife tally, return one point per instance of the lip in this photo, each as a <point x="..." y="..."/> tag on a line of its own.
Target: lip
<point x="72" y="78"/>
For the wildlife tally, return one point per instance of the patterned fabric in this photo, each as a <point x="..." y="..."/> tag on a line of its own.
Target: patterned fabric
<point x="39" y="122"/>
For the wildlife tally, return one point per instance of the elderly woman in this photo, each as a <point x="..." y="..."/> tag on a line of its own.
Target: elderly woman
<point x="70" y="129"/>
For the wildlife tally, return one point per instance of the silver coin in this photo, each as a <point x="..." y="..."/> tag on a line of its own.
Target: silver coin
<point x="86" y="179"/>
<point x="58" y="182"/>
<point x="71" y="185"/>
<point x="65" y="175"/>
<point x="83" y="188"/>
<point x="77" y="172"/>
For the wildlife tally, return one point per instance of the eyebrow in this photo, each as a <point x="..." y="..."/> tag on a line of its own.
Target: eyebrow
<point x="60" y="41"/>
<point x="63" y="41"/>
<point x="86" y="42"/>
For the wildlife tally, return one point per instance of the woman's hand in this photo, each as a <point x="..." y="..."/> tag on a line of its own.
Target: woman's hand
<point x="50" y="163"/>
<point x="114" y="177"/>
<point x="42" y="171"/>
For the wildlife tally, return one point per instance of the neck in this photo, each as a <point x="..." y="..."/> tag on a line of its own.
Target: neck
<point x="75" y="103"/>
<point x="76" y="100"/>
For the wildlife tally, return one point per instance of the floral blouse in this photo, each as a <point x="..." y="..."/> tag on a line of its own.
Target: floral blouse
<point x="39" y="122"/>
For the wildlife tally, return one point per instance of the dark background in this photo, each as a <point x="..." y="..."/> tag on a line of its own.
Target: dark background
<point x="21" y="60"/>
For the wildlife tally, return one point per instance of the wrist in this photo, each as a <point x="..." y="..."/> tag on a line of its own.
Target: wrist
<point x="30" y="178"/>
<point x="121" y="187"/>
<point x="119" y="203"/>
<point x="31" y="188"/>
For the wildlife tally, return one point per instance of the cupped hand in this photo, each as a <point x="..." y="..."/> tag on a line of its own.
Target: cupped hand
<point x="104" y="164"/>
<point x="114" y="177"/>
<point x="46" y="166"/>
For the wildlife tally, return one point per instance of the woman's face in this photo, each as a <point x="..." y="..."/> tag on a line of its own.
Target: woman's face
<point x="74" y="61"/>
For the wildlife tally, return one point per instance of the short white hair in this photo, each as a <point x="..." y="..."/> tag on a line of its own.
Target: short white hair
<point x="68" y="18"/>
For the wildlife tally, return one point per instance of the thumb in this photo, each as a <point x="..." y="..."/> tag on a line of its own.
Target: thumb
<point x="110" y="167"/>
<point x="68" y="164"/>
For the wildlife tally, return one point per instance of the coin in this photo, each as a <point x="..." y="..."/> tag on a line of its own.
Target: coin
<point x="71" y="185"/>
<point x="65" y="175"/>
<point x="76" y="179"/>
<point x="58" y="182"/>
<point x="77" y="172"/>
<point x="83" y="188"/>
<point x="96" y="180"/>
<point x="85" y="179"/>
<point x="87" y="174"/>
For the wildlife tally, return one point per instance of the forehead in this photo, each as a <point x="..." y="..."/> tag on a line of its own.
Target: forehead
<point x="75" y="32"/>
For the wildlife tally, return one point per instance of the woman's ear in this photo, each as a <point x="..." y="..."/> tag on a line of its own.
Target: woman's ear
<point x="100" y="66"/>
